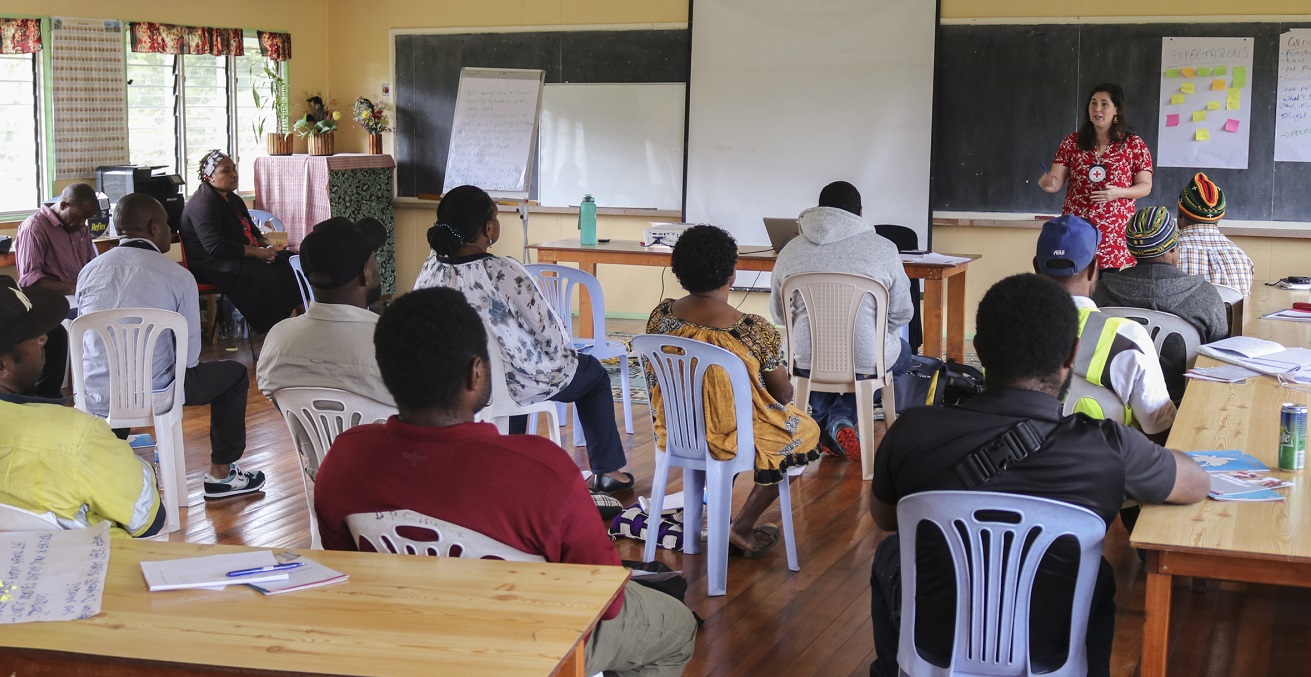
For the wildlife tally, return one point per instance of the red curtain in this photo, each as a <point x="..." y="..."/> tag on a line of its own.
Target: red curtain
<point x="173" y="39"/>
<point x="20" y="36"/>
<point x="276" y="46"/>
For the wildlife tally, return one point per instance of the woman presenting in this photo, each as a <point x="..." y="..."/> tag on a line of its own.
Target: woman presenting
<point x="1108" y="166"/>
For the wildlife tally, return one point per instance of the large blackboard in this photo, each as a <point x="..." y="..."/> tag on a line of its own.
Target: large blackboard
<point x="1006" y="96"/>
<point x="428" y="79"/>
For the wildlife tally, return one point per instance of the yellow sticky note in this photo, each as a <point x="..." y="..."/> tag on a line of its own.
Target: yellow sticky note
<point x="1213" y="105"/>
<point x="1199" y="115"/>
<point x="1232" y="104"/>
<point x="1235" y="93"/>
<point x="1187" y="88"/>
<point x="1202" y="135"/>
<point x="1219" y="70"/>
<point x="1218" y="85"/>
<point x="1203" y="72"/>
<point x="1177" y="99"/>
<point x="1188" y="72"/>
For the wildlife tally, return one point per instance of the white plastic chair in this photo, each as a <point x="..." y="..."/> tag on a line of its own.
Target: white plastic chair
<point x="302" y="282"/>
<point x="557" y="284"/>
<point x="428" y="536"/>
<point x="1234" y="300"/>
<point x="832" y="303"/>
<point x="315" y="417"/>
<point x="13" y="518"/>
<point x="679" y="365"/>
<point x="996" y="543"/>
<point x="502" y="406"/>
<point x="1160" y="325"/>
<point x="263" y="218"/>
<point x="129" y="336"/>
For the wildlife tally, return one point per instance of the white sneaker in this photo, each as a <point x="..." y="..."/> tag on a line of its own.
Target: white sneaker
<point x="236" y="483"/>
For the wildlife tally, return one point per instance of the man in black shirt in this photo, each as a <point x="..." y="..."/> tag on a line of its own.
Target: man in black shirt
<point x="1026" y="335"/>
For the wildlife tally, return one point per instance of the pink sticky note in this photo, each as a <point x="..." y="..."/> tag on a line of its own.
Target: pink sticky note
<point x="1231" y="125"/>
<point x="1172" y="120"/>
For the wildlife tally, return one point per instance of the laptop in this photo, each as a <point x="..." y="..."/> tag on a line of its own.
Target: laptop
<point x="781" y="231"/>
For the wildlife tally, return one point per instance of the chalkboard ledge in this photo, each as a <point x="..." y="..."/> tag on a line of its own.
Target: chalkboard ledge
<point x="421" y="203"/>
<point x="1233" y="228"/>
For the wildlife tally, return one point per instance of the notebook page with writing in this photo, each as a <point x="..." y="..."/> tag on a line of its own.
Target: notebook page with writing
<point x="210" y="571"/>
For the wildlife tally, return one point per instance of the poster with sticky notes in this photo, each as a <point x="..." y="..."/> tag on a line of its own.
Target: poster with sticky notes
<point x="1212" y="76"/>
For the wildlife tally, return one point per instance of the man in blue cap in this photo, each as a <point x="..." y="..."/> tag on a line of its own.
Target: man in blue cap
<point x="1114" y="352"/>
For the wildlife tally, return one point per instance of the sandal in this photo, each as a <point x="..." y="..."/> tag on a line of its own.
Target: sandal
<point x="766" y="536"/>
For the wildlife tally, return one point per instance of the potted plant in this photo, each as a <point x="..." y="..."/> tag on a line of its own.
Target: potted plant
<point x="319" y="125"/>
<point x="373" y="118"/>
<point x="270" y="94"/>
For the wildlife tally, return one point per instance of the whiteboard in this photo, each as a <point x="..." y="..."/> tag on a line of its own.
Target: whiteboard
<point x="495" y="130"/>
<point x="786" y="97"/>
<point x="621" y="143"/>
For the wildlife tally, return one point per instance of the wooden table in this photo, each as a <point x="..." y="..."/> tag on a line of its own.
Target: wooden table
<point x="397" y="615"/>
<point x="943" y="285"/>
<point x="1253" y="542"/>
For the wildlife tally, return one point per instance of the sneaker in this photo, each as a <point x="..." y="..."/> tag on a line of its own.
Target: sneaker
<point x="844" y="434"/>
<point x="236" y="483"/>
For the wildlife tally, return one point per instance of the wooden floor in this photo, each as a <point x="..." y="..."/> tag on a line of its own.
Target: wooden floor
<point x="773" y="621"/>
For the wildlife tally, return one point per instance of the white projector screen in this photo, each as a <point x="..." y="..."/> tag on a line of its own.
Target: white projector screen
<point x="788" y="96"/>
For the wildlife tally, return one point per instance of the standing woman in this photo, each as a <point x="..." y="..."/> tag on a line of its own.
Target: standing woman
<point x="1108" y="166"/>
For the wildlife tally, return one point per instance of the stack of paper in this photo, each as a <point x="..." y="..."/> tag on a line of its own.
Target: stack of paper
<point x="1236" y="476"/>
<point x="1289" y="315"/>
<point x="1229" y="373"/>
<point x="934" y="258"/>
<point x="1260" y="355"/>
<point x="312" y="575"/>
<point x="209" y="572"/>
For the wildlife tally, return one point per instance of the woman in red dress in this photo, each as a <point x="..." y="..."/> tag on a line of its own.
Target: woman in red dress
<point x="1108" y="167"/>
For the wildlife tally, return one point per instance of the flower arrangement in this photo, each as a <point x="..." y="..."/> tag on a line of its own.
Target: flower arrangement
<point x="371" y="116"/>
<point x="320" y="119"/>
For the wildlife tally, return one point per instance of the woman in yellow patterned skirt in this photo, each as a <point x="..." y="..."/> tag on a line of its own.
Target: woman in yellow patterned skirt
<point x="703" y="261"/>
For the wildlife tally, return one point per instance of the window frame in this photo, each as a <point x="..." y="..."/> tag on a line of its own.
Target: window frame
<point x="42" y="132"/>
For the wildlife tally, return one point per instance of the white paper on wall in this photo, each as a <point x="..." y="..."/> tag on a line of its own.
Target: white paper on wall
<point x="1206" y="102"/>
<point x="1293" y="98"/>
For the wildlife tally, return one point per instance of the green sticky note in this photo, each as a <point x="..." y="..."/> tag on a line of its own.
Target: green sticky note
<point x="1213" y="105"/>
<point x="1172" y="72"/>
<point x="1240" y="77"/>
<point x="1203" y="72"/>
<point x="1219" y="70"/>
<point x="1187" y="88"/>
<point x="1177" y="99"/>
<point x="1199" y="115"/>
<point x="1203" y="134"/>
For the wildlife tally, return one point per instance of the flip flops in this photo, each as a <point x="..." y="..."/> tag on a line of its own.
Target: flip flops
<point x="767" y="536"/>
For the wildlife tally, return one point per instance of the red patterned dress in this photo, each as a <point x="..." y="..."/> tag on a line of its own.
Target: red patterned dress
<point x="1123" y="161"/>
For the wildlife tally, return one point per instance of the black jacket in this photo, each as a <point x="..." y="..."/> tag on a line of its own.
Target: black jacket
<point x="214" y="230"/>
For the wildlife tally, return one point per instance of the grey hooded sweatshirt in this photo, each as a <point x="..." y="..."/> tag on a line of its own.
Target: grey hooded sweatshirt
<point x="834" y="240"/>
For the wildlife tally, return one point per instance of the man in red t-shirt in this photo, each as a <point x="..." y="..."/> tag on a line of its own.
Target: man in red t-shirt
<point x="521" y="490"/>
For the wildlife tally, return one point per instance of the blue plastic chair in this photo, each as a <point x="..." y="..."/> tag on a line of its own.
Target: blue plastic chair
<point x="262" y="217"/>
<point x="302" y="282"/>
<point x="679" y="365"/>
<point x="988" y="537"/>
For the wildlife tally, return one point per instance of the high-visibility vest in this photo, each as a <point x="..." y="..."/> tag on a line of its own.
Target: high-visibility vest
<point x="1097" y="347"/>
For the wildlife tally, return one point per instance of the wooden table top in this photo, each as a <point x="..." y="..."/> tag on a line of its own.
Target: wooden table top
<point x="397" y="615"/>
<point x="1215" y="416"/>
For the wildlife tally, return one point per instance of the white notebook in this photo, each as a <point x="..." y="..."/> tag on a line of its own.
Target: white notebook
<point x="210" y="571"/>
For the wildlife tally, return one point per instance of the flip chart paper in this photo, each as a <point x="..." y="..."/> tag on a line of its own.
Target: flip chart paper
<point x="1220" y="67"/>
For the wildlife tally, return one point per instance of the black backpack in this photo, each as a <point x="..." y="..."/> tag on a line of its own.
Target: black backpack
<point x="963" y="383"/>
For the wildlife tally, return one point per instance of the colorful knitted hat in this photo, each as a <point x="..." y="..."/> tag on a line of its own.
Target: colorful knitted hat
<point x="1202" y="200"/>
<point x="1152" y="232"/>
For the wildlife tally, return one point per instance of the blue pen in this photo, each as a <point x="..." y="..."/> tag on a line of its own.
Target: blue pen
<point x="261" y="570"/>
<point x="1044" y="168"/>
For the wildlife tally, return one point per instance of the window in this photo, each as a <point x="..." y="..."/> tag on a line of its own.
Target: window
<point x="20" y="132"/>
<point x="181" y="107"/>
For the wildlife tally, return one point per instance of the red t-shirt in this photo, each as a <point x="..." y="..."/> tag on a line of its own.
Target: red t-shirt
<point x="1123" y="160"/>
<point x="521" y="490"/>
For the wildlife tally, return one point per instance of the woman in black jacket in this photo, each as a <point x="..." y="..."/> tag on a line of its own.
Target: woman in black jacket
<point x="225" y="248"/>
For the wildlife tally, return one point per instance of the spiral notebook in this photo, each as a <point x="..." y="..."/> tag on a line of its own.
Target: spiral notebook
<point x="210" y="572"/>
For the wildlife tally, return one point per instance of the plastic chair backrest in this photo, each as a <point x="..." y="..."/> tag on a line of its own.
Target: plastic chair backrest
<point x="302" y="282"/>
<point x="129" y="336"/>
<point x="557" y="284"/>
<point x="832" y="303"/>
<point x="1160" y="326"/>
<point x="13" y="518"/>
<point x="262" y="217"/>
<point x="679" y="365"/>
<point x="996" y="543"/>
<point x="322" y="414"/>
<point x="406" y="532"/>
<point x="1228" y="294"/>
<point x="1080" y="388"/>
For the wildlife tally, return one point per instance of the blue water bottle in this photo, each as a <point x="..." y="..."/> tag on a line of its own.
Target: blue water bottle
<point x="587" y="220"/>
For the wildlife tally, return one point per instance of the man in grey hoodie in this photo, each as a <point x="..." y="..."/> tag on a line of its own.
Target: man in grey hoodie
<point x="834" y="239"/>
<point x="1157" y="283"/>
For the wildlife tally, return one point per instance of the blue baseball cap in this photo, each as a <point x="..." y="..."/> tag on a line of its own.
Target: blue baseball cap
<point x="1067" y="245"/>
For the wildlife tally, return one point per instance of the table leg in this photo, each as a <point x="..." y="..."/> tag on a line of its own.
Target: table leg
<point x="585" y="328"/>
<point x="575" y="664"/>
<point x="1156" y="626"/>
<point x="956" y="317"/>
<point x="932" y="318"/>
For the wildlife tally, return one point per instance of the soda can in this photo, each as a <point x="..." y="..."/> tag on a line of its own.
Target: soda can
<point x="1292" y="436"/>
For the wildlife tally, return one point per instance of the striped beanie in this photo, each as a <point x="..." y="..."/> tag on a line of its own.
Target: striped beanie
<point x="1202" y="200"/>
<point x="1152" y="232"/>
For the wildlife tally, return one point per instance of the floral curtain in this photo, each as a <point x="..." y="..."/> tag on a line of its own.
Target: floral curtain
<point x="173" y="39"/>
<point x="276" y="46"/>
<point x="20" y="36"/>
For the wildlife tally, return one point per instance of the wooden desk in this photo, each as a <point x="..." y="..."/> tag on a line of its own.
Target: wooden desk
<point x="942" y="284"/>
<point x="1248" y="542"/>
<point x="397" y="615"/>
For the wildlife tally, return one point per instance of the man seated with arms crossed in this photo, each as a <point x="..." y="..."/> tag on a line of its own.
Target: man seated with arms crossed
<point x="331" y="345"/>
<point x="54" y="243"/>
<point x="1114" y="352"/>
<point x="55" y="459"/>
<point x="1203" y="249"/>
<point x="1027" y="339"/>
<point x="433" y="459"/>
<point x="137" y="274"/>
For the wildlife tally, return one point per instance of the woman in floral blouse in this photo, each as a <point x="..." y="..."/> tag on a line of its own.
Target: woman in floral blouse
<point x="540" y="363"/>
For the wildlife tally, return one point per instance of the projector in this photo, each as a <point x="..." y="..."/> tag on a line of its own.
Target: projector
<point x="663" y="234"/>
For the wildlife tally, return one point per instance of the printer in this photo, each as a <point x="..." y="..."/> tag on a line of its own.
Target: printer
<point x="116" y="181"/>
